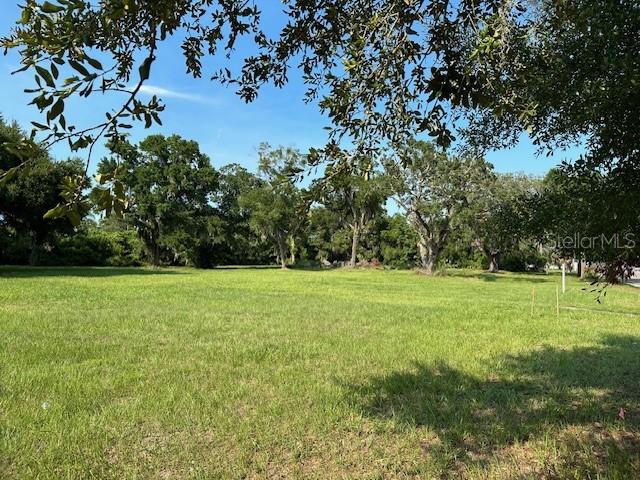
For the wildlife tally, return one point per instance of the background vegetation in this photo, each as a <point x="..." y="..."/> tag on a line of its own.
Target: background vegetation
<point x="177" y="209"/>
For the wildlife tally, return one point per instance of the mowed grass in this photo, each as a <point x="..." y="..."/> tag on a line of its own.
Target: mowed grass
<point x="262" y="373"/>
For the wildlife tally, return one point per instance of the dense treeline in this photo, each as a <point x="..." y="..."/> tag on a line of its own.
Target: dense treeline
<point x="478" y="73"/>
<point x="419" y="208"/>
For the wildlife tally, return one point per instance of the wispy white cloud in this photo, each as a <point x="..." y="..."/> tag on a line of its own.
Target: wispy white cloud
<point x="168" y="93"/>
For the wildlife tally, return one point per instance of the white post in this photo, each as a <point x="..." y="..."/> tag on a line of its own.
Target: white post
<point x="564" y="280"/>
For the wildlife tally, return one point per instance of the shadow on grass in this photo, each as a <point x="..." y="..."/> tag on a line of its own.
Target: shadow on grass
<point x="578" y="391"/>
<point x="530" y="277"/>
<point x="247" y="267"/>
<point x="305" y="268"/>
<point x="35" y="272"/>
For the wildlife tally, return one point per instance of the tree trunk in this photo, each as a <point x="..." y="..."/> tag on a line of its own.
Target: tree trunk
<point x="282" y="252"/>
<point x="430" y="266"/>
<point x="155" y="256"/>
<point x="292" y="248"/>
<point x="34" y="253"/>
<point x="494" y="263"/>
<point x="354" y="247"/>
<point x="493" y="255"/>
<point x="582" y="269"/>
<point x="424" y="254"/>
<point x="579" y="262"/>
<point x="155" y="242"/>
<point x="428" y="257"/>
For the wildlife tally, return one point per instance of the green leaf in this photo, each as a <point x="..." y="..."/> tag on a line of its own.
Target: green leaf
<point x="103" y="178"/>
<point x="77" y="66"/>
<point x="94" y="63"/>
<point x="7" y="176"/>
<point x="118" y="191"/>
<point x="70" y="80"/>
<point x="48" y="7"/>
<point x="81" y="142"/>
<point x="145" y="69"/>
<point x="57" y="109"/>
<point x="26" y="15"/>
<point x="40" y="126"/>
<point x="74" y="217"/>
<point x="21" y="69"/>
<point x="46" y="76"/>
<point x="56" y="212"/>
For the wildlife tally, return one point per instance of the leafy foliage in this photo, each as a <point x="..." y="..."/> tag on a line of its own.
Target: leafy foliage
<point x="356" y="194"/>
<point x="570" y="76"/>
<point x="238" y="244"/>
<point x="26" y="200"/>
<point x="327" y="237"/>
<point x="398" y="243"/>
<point x="433" y="189"/>
<point x="170" y="186"/>
<point x="593" y="215"/>
<point x="60" y="40"/>
<point x="498" y="214"/>
<point x="184" y="212"/>
<point x="98" y="247"/>
<point x="381" y="70"/>
<point x="277" y="208"/>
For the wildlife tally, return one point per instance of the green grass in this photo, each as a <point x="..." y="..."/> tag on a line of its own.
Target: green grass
<point x="262" y="373"/>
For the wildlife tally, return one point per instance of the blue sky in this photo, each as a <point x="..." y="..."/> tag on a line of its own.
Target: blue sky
<point x="227" y="129"/>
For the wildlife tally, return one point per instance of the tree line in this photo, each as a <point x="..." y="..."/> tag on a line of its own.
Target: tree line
<point x="480" y="73"/>
<point x="418" y="207"/>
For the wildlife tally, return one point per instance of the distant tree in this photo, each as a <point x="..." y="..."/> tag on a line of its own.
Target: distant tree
<point x="28" y="197"/>
<point x="461" y="249"/>
<point x="433" y="188"/>
<point x="398" y="242"/>
<point x="356" y="194"/>
<point x="239" y="243"/>
<point x="568" y="76"/>
<point x="96" y="245"/>
<point x="169" y="185"/>
<point x="590" y="215"/>
<point x="497" y="214"/>
<point x="277" y="207"/>
<point x="328" y="239"/>
<point x="564" y="71"/>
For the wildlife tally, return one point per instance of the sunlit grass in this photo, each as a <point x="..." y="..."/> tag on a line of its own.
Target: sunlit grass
<point x="262" y="373"/>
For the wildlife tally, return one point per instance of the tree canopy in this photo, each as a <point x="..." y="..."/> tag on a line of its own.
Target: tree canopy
<point x="278" y="208"/>
<point x="356" y="194"/>
<point x="433" y="189"/>
<point x="169" y="185"/>
<point x="26" y="199"/>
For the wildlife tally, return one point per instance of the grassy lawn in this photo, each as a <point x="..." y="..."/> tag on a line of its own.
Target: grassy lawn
<point x="262" y="373"/>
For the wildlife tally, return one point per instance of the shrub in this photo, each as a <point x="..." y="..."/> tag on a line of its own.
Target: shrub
<point x="523" y="261"/>
<point x="14" y="248"/>
<point x="96" y="247"/>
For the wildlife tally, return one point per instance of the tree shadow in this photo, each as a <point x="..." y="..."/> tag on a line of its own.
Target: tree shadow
<point x="35" y="272"/>
<point x="530" y="277"/>
<point x="247" y="267"/>
<point x="295" y="267"/>
<point x="546" y="390"/>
